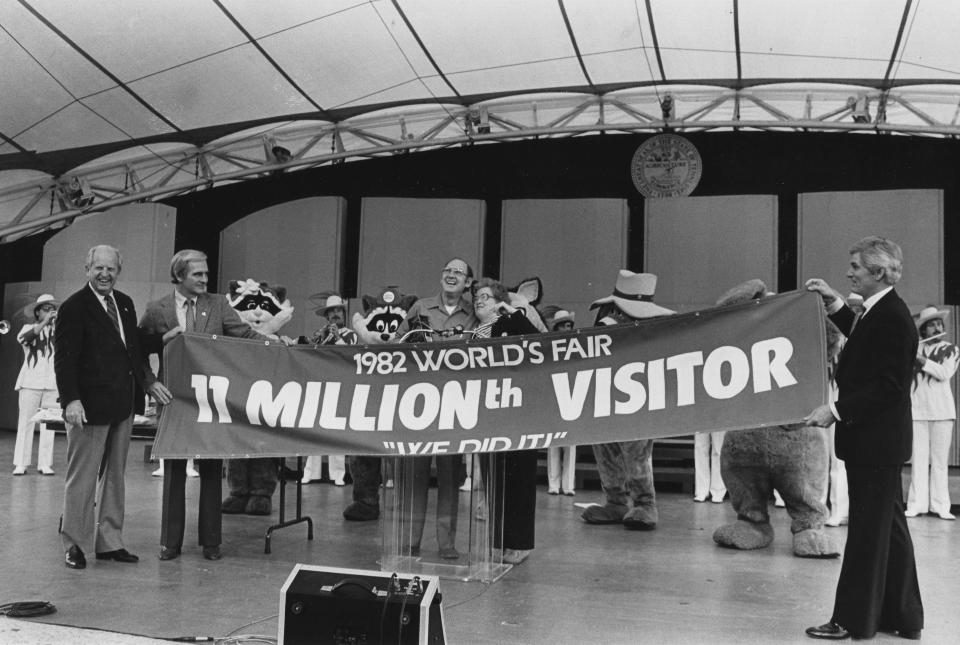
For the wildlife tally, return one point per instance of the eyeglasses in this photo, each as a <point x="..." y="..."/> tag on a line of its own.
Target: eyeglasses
<point x="455" y="272"/>
<point x="482" y="297"/>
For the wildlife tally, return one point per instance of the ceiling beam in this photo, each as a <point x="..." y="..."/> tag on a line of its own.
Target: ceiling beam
<point x="96" y="63"/>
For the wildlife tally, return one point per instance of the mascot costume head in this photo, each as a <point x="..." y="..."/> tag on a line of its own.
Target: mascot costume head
<point x="528" y="295"/>
<point x="262" y="306"/>
<point x="382" y="316"/>
<point x="253" y="481"/>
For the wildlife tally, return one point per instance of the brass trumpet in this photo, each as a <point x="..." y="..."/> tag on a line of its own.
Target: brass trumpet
<point x="4" y="327"/>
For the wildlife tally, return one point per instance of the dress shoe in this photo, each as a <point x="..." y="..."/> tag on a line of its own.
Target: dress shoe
<point x="568" y="493"/>
<point x="553" y="491"/>
<point x="47" y="471"/>
<point x="909" y="634"/>
<point x="700" y="498"/>
<point x="828" y="631"/>
<point x="306" y="480"/>
<point x="168" y="554"/>
<point x="339" y="482"/>
<point x="120" y="555"/>
<point x="74" y="558"/>
<point x="212" y="553"/>
<point x="515" y="556"/>
<point x="19" y="470"/>
<point x="909" y="513"/>
<point x="946" y="516"/>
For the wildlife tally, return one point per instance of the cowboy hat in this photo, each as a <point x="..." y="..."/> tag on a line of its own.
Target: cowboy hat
<point x="930" y="312"/>
<point x="633" y="294"/>
<point x="328" y="302"/>
<point x="30" y="311"/>
<point x="559" y="316"/>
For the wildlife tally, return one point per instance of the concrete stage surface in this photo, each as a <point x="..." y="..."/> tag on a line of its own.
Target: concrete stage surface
<point x="582" y="584"/>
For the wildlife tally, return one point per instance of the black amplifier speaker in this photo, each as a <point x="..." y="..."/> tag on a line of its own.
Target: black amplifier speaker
<point x="332" y="606"/>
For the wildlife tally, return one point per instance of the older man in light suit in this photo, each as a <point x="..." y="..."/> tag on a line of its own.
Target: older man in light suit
<point x="100" y="373"/>
<point x="878" y="588"/>
<point x="190" y="308"/>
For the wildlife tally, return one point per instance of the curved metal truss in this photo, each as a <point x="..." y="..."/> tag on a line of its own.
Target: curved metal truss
<point x="153" y="172"/>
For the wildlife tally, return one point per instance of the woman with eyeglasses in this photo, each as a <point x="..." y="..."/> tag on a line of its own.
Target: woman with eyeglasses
<point x="513" y="493"/>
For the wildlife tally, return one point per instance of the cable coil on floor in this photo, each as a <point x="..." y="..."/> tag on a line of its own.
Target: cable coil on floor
<point x="28" y="608"/>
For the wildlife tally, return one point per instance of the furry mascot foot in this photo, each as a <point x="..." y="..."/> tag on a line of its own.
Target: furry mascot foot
<point x="813" y="543"/>
<point x="360" y="512"/>
<point x="606" y="514"/>
<point x="641" y="518"/>
<point x="234" y="504"/>
<point x="259" y="505"/>
<point x="744" y="535"/>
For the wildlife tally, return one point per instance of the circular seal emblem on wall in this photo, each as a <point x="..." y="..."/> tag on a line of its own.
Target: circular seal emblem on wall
<point x="666" y="165"/>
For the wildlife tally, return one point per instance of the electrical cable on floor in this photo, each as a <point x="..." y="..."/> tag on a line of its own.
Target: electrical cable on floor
<point x="250" y="624"/>
<point x="486" y="585"/>
<point x="27" y="608"/>
<point x="242" y="639"/>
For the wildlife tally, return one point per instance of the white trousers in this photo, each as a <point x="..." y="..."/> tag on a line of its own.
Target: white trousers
<point x="335" y="466"/>
<point x="30" y="403"/>
<point x="839" y="501"/>
<point x="562" y="468"/>
<point x="706" y="464"/>
<point x="928" y="469"/>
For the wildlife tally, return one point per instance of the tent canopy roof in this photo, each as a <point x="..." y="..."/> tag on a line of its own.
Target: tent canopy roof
<point x="139" y="84"/>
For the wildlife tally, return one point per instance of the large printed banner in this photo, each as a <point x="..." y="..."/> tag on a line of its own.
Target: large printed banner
<point x="758" y="364"/>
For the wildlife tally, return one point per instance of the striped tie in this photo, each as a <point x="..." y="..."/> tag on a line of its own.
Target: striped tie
<point x="112" y="312"/>
<point x="190" y="317"/>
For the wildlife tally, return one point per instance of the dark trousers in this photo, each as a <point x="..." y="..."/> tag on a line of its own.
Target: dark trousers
<point x="878" y="588"/>
<point x="412" y="480"/>
<point x="174" y="500"/>
<point x="512" y="485"/>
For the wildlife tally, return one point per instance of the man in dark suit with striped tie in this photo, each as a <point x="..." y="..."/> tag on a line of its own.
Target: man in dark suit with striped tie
<point x="878" y="588"/>
<point x="100" y="376"/>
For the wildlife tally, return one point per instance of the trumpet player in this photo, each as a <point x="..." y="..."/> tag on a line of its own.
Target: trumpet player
<point x="933" y="416"/>
<point x="36" y="385"/>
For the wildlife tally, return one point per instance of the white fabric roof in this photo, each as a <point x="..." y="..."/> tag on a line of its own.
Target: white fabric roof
<point x="119" y="91"/>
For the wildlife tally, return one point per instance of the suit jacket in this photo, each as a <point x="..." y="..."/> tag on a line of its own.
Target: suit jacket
<point x="214" y="315"/>
<point x="91" y="362"/>
<point x="874" y="374"/>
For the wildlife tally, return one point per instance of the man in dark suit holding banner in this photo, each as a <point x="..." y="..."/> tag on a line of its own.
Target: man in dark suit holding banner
<point x="100" y="373"/>
<point x="878" y="588"/>
<point x="192" y="309"/>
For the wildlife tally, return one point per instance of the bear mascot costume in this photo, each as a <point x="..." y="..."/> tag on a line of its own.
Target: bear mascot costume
<point x="252" y="482"/>
<point x="792" y="459"/>
<point x="382" y="316"/>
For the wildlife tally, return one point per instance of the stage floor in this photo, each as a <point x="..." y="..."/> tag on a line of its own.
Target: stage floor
<point x="582" y="584"/>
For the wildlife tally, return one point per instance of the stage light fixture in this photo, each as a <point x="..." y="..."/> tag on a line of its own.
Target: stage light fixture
<point x="666" y="107"/>
<point x="859" y="108"/>
<point x="75" y="191"/>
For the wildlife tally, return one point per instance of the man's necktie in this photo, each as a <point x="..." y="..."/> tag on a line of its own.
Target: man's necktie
<point x="112" y="312"/>
<point x="190" y="317"/>
<point x="856" y="320"/>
